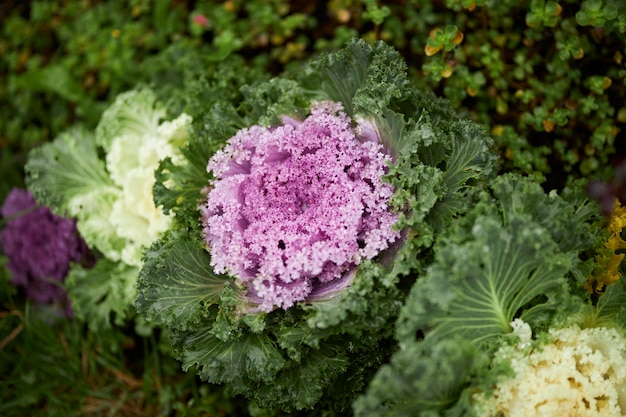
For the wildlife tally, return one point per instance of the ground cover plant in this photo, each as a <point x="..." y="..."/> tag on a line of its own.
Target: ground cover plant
<point x="312" y="208"/>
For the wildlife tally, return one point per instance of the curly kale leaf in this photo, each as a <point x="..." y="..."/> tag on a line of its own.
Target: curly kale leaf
<point x="568" y="218"/>
<point x="422" y="380"/>
<point x="249" y="359"/>
<point x="338" y="76"/>
<point x="254" y="360"/>
<point x="302" y="384"/>
<point x="67" y="168"/>
<point x="177" y="283"/>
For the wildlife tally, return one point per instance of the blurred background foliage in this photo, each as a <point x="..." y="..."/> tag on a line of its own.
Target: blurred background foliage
<point x="546" y="78"/>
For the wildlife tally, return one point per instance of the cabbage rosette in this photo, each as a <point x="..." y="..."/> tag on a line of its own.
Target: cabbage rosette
<point x="305" y="208"/>
<point x="104" y="179"/>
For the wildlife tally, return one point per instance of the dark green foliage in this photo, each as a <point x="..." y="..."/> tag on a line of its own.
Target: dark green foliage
<point x="417" y="384"/>
<point x="175" y="260"/>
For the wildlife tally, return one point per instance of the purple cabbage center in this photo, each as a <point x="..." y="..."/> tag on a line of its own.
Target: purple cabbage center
<point x="294" y="209"/>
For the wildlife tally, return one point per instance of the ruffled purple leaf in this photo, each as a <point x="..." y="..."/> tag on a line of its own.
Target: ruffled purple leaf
<point x="40" y="246"/>
<point x="294" y="209"/>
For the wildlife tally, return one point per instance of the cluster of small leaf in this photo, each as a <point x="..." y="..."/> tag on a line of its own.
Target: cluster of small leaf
<point x="546" y="77"/>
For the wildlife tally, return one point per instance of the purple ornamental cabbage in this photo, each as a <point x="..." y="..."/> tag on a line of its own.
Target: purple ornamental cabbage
<point x="295" y="208"/>
<point x="40" y="246"/>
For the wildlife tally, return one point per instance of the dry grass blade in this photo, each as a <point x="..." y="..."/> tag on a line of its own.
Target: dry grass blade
<point x="11" y="336"/>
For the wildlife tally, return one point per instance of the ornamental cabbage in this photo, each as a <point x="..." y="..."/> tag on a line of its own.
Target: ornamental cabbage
<point x="40" y="247"/>
<point x="571" y="372"/>
<point x="305" y="208"/>
<point x="105" y="180"/>
<point x="295" y="208"/>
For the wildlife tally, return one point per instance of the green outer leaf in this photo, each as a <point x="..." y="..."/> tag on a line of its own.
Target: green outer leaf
<point x="266" y="103"/>
<point x="69" y="166"/>
<point x="104" y="291"/>
<point x="465" y="157"/>
<point x="301" y="386"/>
<point x="369" y="80"/>
<point x="184" y="186"/>
<point x="385" y="83"/>
<point x="568" y="222"/>
<point x="470" y="156"/>
<point x="254" y="360"/>
<point x="339" y="75"/>
<point x="367" y="306"/>
<point x="610" y="310"/>
<point x="422" y="380"/>
<point x="177" y="283"/>
<point x="612" y="304"/>
<point x="133" y="112"/>
<point x="391" y="130"/>
<point x="475" y="289"/>
<point x="251" y="358"/>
